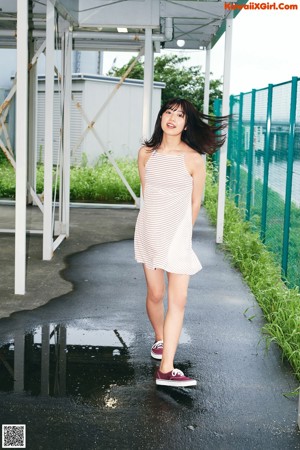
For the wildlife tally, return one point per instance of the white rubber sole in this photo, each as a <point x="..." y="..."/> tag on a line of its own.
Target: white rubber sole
<point x="176" y="383"/>
<point x="156" y="356"/>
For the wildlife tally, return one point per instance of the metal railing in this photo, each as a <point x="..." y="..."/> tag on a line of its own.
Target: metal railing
<point x="263" y="173"/>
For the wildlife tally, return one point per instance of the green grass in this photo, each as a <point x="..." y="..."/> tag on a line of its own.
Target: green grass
<point x="280" y="305"/>
<point x="7" y="181"/>
<point x="87" y="184"/>
<point x="103" y="184"/>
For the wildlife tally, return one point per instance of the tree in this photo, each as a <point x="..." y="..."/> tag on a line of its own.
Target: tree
<point x="181" y="81"/>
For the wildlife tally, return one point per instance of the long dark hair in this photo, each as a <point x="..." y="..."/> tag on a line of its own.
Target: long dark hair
<point x="202" y="136"/>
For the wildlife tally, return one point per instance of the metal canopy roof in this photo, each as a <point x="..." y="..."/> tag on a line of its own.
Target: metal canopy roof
<point x="95" y="22"/>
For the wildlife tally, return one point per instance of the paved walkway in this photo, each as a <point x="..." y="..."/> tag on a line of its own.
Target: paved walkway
<point x="80" y="348"/>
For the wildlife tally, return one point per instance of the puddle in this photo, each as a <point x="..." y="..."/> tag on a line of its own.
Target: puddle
<point x="75" y="360"/>
<point x="184" y="337"/>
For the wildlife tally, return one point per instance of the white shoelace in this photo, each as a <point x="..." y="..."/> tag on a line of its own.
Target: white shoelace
<point x="158" y="344"/>
<point x="177" y="372"/>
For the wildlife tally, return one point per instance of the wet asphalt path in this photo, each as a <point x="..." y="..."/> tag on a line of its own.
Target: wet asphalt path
<point x="88" y="378"/>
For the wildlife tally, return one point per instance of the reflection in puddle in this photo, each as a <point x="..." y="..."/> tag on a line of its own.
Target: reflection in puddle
<point x="69" y="361"/>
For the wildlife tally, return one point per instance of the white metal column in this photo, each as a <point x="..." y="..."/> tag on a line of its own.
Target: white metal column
<point x="206" y="94"/>
<point x="207" y="80"/>
<point x="148" y="92"/>
<point x="32" y="121"/>
<point x="67" y="130"/>
<point x="48" y="155"/>
<point x="225" y="111"/>
<point x="21" y="146"/>
<point x="148" y="84"/>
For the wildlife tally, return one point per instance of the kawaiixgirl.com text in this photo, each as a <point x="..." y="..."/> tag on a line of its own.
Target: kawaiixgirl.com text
<point x="260" y="6"/>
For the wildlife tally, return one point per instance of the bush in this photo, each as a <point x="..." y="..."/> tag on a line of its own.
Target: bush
<point x="7" y="181"/>
<point x="102" y="183"/>
<point x="87" y="184"/>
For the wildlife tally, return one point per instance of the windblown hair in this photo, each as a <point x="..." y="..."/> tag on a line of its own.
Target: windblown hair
<point x="201" y="133"/>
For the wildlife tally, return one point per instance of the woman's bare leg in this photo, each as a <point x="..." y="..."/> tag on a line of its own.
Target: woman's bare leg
<point x="177" y="296"/>
<point x="154" y="302"/>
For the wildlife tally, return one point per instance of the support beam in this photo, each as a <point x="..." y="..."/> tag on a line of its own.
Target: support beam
<point x="207" y="80"/>
<point x="148" y="84"/>
<point x="109" y="156"/>
<point x="58" y="224"/>
<point x="206" y="94"/>
<point x="10" y="95"/>
<point x="225" y="112"/>
<point x="48" y="156"/>
<point x="4" y="130"/>
<point x="32" y="124"/>
<point x="148" y="92"/>
<point x="21" y="146"/>
<point x="67" y="131"/>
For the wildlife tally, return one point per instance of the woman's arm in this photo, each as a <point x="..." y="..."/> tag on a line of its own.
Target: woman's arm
<point x="198" y="173"/>
<point x="141" y="166"/>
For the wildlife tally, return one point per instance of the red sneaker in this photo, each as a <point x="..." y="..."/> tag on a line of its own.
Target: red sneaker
<point x="174" y="378"/>
<point x="157" y="350"/>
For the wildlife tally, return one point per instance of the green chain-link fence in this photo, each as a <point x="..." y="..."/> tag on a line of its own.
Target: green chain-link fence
<point x="264" y="167"/>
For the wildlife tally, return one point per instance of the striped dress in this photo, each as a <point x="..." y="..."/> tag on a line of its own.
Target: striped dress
<point x="163" y="232"/>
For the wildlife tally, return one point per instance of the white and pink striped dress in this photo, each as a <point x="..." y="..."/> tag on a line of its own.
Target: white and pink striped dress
<point x="163" y="232"/>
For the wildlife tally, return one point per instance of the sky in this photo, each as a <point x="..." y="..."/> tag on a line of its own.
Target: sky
<point x="265" y="49"/>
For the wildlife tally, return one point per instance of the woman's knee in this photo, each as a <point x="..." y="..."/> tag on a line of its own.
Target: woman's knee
<point x="178" y="290"/>
<point x="178" y="302"/>
<point x="156" y="295"/>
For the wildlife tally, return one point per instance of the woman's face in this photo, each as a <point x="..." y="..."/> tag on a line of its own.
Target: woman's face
<point x="173" y="121"/>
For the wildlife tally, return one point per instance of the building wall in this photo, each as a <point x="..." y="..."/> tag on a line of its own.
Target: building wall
<point x="8" y="58"/>
<point x="119" y="126"/>
<point x="76" y="125"/>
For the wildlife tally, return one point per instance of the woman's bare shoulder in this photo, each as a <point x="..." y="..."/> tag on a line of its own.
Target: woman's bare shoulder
<point x="194" y="156"/>
<point x="194" y="161"/>
<point x="144" y="153"/>
<point x="144" y="150"/>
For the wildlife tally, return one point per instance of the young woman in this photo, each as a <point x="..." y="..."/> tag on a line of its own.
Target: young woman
<point x="172" y="173"/>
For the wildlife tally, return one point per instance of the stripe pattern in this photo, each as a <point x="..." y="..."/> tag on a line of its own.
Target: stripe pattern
<point x="163" y="232"/>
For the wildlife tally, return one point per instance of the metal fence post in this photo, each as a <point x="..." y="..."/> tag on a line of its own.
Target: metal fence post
<point x="289" y="177"/>
<point x="266" y="165"/>
<point x="230" y="145"/>
<point x="217" y="111"/>
<point x="250" y="157"/>
<point x="239" y="150"/>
